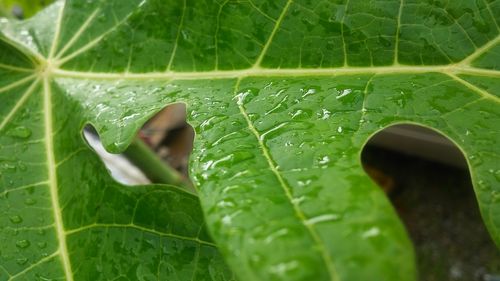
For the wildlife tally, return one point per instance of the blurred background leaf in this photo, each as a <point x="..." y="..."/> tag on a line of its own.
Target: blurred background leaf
<point x="21" y="9"/>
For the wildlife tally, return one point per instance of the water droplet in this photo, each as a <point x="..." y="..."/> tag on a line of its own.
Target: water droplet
<point x="325" y="114"/>
<point x="21" y="261"/>
<point x="497" y="175"/>
<point x="225" y="203"/>
<point x="495" y="196"/>
<point x="372" y="232"/>
<point x="339" y="129"/>
<point x="41" y="245"/>
<point x="275" y="235"/>
<point x="19" y="132"/>
<point x="298" y="200"/>
<point x="343" y="93"/>
<point x="16" y="219"/>
<point x="246" y="96"/>
<point x="279" y="107"/>
<point x="29" y="201"/>
<point x="9" y="166"/>
<point x="21" y="166"/>
<point x="304" y="183"/>
<point x="281" y="269"/>
<point x="268" y="86"/>
<point x="308" y="92"/>
<point x="226" y="220"/>
<point x="40" y="277"/>
<point x="474" y="160"/>
<point x="323" y="218"/>
<point x="296" y="113"/>
<point x="23" y="243"/>
<point x="207" y="124"/>
<point x="263" y="136"/>
<point x="483" y="185"/>
<point x="324" y="160"/>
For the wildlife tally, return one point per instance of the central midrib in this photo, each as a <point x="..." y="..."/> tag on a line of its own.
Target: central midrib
<point x="270" y="72"/>
<point x="451" y="71"/>
<point x="52" y="177"/>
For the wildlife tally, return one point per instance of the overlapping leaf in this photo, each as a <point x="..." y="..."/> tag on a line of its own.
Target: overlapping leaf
<point x="282" y="94"/>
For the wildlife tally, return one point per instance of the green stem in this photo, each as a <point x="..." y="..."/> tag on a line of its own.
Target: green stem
<point x="151" y="165"/>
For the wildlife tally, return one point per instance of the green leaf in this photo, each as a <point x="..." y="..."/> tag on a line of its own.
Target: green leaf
<point x="22" y="8"/>
<point x="282" y="94"/>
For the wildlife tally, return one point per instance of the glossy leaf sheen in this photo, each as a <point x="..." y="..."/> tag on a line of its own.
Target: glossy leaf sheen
<point x="282" y="94"/>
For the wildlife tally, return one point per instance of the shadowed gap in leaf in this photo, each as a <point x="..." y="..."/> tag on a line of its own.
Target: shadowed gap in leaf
<point x="159" y="153"/>
<point x="427" y="179"/>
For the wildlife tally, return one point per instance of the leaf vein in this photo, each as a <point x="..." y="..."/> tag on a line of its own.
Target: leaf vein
<point x="273" y="33"/>
<point x="58" y="31"/>
<point x="52" y="175"/>
<point x="23" y="187"/>
<point x="78" y="33"/>
<point x="398" y="30"/>
<point x="17" y="83"/>
<point x="29" y="268"/>
<point x="174" y="50"/>
<point x="287" y="190"/>
<point x="474" y="88"/>
<point x="134" y="226"/>
<point x="18" y="105"/>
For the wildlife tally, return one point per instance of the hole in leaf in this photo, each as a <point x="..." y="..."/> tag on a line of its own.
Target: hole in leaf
<point x="120" y="168"/>
<point x="159" y="153"/>
<point x="427" y="179"/>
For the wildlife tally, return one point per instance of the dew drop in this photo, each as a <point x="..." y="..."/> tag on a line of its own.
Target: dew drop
<point x="343" y="93"/>
<point x="225" y="203"/>
<point x="303" y="183"/>
<point x="39" y="277"/>
<point x="324" y="160"/>
<point x="23" y="243"/>
<point x="324" y="218"/>
<point x="16" y="219"/>
<point x="483" y="185"/>
<point x="325" y="114"/>
<point x="19" y="132"/>
<point x="22" y="166"/>
<point x="226" y="220"/>
<point x="296" y="113"/>
<point x="372" y="232"/>
<point x="298" y="200"/>
<point x="281" y="269"/>
<point x="497" y="175"/>
<point x="29" y="201"/>
<point x="276" y="235"/>
<point x="21" y="261"/>
<point x="495" y="196"/>
<point x="42" y="245"/>
<point x="308" y="92"/>
<point x="9" y="166"/>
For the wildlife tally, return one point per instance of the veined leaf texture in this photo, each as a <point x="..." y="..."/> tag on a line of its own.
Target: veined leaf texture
<point x="283" y="95"/>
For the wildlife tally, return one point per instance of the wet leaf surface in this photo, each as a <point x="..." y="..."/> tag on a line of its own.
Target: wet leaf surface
<point x="282" y="96"/>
